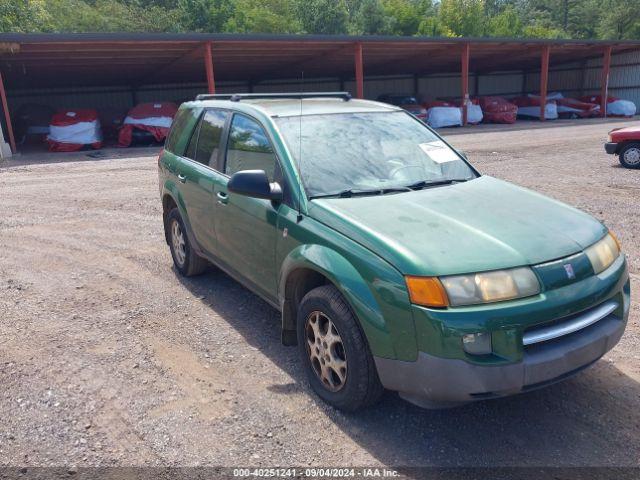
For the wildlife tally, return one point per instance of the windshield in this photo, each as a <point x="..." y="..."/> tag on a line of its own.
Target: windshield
<point x="368" y="151"/>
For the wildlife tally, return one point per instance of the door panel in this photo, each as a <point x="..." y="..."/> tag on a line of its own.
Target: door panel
<point x="196" y="184"/>
<point x="197" y="177"/>
<point x="247" y="227"/>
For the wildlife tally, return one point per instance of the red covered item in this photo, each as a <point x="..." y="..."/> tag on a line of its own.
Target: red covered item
<point x="498" y="109"/>
<point x="573" y="108"/>
<point x="71" y="130"/>
<point x="438" y="103"/>
<point x="155" y="118"/>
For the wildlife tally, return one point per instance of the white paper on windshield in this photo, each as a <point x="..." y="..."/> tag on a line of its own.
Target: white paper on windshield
<point x="438" y="152"/>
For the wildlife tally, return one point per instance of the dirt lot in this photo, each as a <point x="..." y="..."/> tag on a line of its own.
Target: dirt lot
<point x="107" y="357"/>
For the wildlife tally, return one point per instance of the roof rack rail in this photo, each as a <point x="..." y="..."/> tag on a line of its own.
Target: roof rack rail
<point x="236" y="97"/>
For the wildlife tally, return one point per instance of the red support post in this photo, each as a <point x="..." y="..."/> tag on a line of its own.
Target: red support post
<point x="208" y="63"/>
<point x="7" y="116"/>
<point x="465" y="81"/>
<point x="604" y="85"/>
<point x="544" y="80"/>
<point x="359" y="72"/>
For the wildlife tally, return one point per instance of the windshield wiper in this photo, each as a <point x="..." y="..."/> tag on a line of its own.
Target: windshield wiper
<point x="353" y="192"/>
<point x="435" y="183"/>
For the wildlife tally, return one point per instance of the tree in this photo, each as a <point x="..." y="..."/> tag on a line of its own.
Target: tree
<point x="263" y="16"/>
<point x="405" y="16"/>
<point x="619" y="21"/>
<point x="323" y="16"/>
<point x="505" y="24"/>
<point x="588" y="19"/>
<point x="24" y="16"/>
<point x="463" y="18"/>
<point x="370" y="19"/>
<point x="205" y="15"/>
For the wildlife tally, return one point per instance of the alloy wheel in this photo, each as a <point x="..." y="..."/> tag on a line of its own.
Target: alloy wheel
<point x="326" y="351"/>
<point x="632" y="156"/>
<point x="178" y="242"/>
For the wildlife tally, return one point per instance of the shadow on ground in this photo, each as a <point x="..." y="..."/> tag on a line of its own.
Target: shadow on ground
<point x="37" y="156"/>
<point x="592" y="419"/>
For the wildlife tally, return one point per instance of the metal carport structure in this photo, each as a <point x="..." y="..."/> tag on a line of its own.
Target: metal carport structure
<point x="134" y="59"/>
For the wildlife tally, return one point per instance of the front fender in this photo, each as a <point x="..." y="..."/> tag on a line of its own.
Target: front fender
<point x="374" y="290"/>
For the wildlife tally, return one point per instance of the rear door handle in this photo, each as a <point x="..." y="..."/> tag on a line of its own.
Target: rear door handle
<point x="182" y="178"/>
<point x="223" y="198"/>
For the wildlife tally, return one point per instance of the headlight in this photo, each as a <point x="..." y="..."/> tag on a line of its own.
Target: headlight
<point x="487" y="287"/>
<point x="475" y="288"/>
<point x="603" y="253"/>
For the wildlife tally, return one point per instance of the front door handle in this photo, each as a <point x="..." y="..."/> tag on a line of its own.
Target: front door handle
<point x="182" y="178"/>
<point x="223" y="198"/>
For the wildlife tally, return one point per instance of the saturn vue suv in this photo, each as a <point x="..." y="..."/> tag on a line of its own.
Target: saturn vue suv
<point x="394" y="263"/>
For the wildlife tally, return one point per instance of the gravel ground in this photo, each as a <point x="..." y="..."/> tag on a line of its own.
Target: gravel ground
<point x="108" y="357"/>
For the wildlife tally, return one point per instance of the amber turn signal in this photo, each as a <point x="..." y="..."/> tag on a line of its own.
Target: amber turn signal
<point x="615" y="239"/>
<point x="427" y="291"/>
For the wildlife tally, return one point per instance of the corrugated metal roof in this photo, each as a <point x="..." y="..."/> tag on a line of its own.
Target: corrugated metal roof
<point x="102" y="59"/>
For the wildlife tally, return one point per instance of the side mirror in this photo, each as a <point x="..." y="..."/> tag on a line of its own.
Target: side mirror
<point x="254" y="183"/>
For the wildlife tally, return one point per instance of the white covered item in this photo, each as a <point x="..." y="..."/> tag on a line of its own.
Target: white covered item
<point x="443" y="114"/>
<point x="474" y="113"/>
<point x="615" y="106"/>
<point x="71" y="130"/>
<point x="529" y="107"/>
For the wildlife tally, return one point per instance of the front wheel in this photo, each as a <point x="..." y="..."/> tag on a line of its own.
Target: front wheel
<point x="334" y="351"/>
<point x="630" y="155"/>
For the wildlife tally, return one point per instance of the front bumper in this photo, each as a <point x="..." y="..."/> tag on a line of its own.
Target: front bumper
<point x="610" y="148"/>
<point x="433" y="381"/>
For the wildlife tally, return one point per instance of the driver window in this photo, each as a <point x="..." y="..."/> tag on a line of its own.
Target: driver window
<point x="248" y="148"/>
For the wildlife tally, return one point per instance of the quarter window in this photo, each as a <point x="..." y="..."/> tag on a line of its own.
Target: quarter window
<point x="249" y="148"/>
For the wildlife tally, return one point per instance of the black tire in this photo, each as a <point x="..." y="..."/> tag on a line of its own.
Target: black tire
<point x="625" y="155"/>
<point x="187" y="262"/>
<point x="361" y="386"/>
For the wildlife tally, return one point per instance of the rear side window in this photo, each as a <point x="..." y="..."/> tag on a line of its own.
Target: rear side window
<point x="205" y="140"/>
<point x="190" y="152"/>
<point x="180" y="127"/>
<point x="209" y="137"/>
<point x="249" y="148"/>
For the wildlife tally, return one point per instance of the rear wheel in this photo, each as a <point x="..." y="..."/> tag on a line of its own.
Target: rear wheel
<point x="186" y="261"/>
<point x="334" y="351"/>
<point x="630" y="155"/>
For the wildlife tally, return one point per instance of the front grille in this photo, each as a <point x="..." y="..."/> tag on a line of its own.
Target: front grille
<point x="568" y="325"/>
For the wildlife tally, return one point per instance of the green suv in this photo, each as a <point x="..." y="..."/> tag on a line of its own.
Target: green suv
<point x="395" y="264"/>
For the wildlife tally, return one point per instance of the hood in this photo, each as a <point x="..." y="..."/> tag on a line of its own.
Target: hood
<point x="483" y="224"/>
<point x="626" y="133"/>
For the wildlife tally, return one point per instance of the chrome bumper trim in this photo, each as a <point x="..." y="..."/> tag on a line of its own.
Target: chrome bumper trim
<point x="570" y="326"/>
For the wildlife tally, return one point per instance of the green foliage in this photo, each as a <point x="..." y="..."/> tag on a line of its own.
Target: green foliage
<point x="370" y="19"/>
<point x="506" y="23"/>
<point x="604" y="19"/>
<point x="323" y="16"/>
<point x="463" y="17"/>
<point x="24" y="16"/>
<point x="620" y="20"/>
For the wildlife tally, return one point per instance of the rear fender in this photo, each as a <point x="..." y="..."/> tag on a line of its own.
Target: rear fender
<point x="170" y="189"/>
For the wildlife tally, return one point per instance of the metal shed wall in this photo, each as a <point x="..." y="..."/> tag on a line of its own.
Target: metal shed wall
<point x="571" y="79"/>
<point x="583" y="78"/>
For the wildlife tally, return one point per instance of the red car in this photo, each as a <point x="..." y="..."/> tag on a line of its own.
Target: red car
<point x="625" y="142"/>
